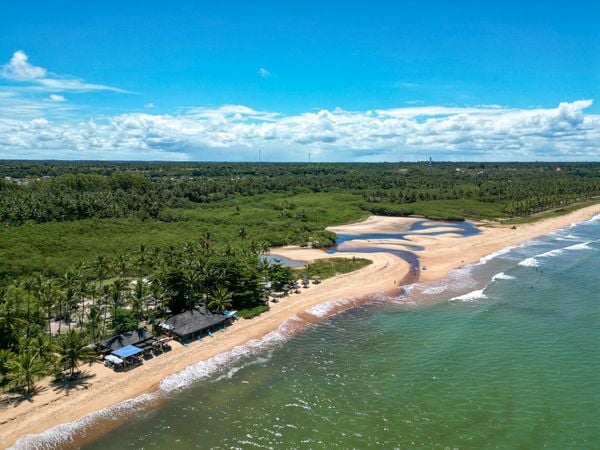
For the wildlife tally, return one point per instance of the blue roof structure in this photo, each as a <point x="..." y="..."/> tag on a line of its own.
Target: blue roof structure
<point x="128" y="350"/>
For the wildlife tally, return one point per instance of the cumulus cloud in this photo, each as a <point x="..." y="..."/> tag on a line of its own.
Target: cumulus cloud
<point x="57" y="98"/>
<point x="235" y="132"/>
<point x="264" y="72"/>
<point x="19" y="69"/>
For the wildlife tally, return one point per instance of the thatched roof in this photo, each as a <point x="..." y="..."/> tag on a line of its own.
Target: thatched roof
<point x="122" y="340"/>
<point x="193" y="321"/>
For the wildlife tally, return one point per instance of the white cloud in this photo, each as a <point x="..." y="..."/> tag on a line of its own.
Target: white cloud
<point x="264" y="72"/>
<point x="149" y="105"/>
<point x="57" y="98"/>
<point x="234" y="132"/>
<point x="19" y="69"/>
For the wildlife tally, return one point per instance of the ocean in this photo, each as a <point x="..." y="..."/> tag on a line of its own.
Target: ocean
<point x="502" y="354"/>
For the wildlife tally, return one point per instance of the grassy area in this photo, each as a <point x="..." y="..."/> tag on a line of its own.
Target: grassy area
<point x="328" y="268"/>
<point x="252" y="312"/>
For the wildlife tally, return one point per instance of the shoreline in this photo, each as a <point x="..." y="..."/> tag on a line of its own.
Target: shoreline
<point x="440" y="255"/>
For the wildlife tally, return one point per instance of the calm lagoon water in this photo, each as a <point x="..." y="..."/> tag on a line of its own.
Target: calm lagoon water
<point x="502" y="355"/>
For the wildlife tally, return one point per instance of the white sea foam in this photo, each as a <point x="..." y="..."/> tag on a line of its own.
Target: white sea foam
<point x="325" y="309"/>
<point x="555" y="252"/>
<point x="582" y="246"/>
<point x="433" y="290"/>
<point x="491" y="256"/>
<point x="471" y="296"/>
<point x="569" y="237"/>
<point x="208" y="367"/>
<point x="502" y="276"/>
<point x="530" y="262"/>
<point x="591" y="220"/>
<point x="596" y="218"/>
<point x="63" y="434"/>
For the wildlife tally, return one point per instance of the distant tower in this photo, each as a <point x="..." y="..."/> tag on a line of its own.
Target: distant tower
<point x="309" y="157"/>
<point x="430" y="161"/>
<point x="259" y="156"/>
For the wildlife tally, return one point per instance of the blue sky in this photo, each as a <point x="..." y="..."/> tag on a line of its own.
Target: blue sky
<point x="218" y="80"/>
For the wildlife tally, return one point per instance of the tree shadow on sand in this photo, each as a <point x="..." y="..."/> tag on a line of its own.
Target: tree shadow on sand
<point x="79" y="381"/>
<point x="16" y="396"/>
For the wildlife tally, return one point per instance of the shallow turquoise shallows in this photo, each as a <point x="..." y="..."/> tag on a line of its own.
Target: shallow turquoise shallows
<point x="514" y="364"/>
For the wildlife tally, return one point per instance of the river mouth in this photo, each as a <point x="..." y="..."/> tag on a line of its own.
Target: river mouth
<point x="363" y="242"/>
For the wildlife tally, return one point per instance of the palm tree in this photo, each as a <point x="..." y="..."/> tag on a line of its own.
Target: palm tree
<point x="122" y="264"/>
<point x="69" y="282"/>
<point x="207" y="242"/>
<point x="171" y="252"/>
<point x="103" y="298"/>
<point x="159" y="295"/>
<point x="10" y="323"/>
<point x="5" y="356"/>
<point x="116" y="294"/>
<point x="141" y="259"/>
<point x="138" y="298"/>
<point x="43" y="345"/>
<point x="24" y="369"/>
<point x="265" y="248"/>
<point x="101" y="267"/>
<point x="47" y="295"/>
<point x="94" y="322"/>
<point x="84" y="289"/>
<point x="29" y="285"/>
<point x="219" y="300"/>
<point x="72" y="348"/>
<point x="190" y="279"/>
<point x="263" y="267"/>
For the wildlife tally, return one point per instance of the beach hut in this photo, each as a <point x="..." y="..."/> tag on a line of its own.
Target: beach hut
<point x="141" y="337"/>
<point x="194" y="323"/>
<point x="130" y="355"/>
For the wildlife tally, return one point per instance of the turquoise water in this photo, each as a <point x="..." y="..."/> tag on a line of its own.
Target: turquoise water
<point x="508" y="363"/>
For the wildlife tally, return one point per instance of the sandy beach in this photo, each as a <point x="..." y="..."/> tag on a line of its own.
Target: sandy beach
<point x="440" y="254"/>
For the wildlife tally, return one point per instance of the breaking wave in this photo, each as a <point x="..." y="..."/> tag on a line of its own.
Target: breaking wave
<point x="63" y="434"/>
<point x="434" y="290"/>
<point x="529" y="262"/>
<point x="206" y="368"/>
<point x="502" y="276"/>
<point x="471" y="296"/>
<point x="491" y="256"/>
<point x="326" y="309"/>
<point x="555" y="252"/>
<point x="582" y="246"/>
<point x="591" y="220"/>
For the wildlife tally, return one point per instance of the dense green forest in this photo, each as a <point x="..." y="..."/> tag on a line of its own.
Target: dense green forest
<point x="53" y="214"/>
<point x="91" y="249"/>
<point x="54" y="192"/>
